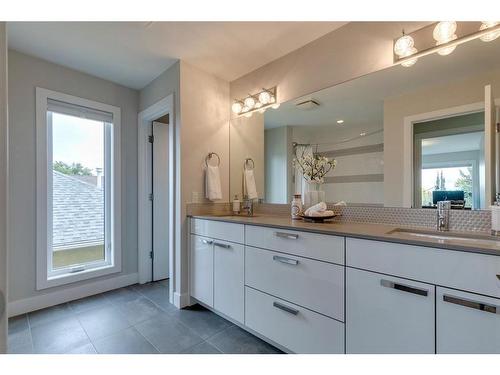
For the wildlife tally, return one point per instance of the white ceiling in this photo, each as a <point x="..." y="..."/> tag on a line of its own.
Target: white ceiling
<point x="453" y="143"/>
<point x="134" y="53"/>
<point x="360" y="102"/>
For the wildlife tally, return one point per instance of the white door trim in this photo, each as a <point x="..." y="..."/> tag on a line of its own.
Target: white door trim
<point x="159" y="109"/>
<point x="409" y="121"/>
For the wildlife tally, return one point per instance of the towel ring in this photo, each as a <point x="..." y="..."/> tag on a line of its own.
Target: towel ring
<point x="247" y="161"/>
<point x="210" y="156"/>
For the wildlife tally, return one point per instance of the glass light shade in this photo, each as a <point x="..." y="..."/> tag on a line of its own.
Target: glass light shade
<point x="245" y="109"/>
<point x="447" y="50"/>
<point x="403" y="45"/>
<point x="249" y="114"/>
<point x="258" y="104"/>
<point x="264" y="97"/>
<point x="410" y="62"/>
<point x="262" y="110"/>
<point x="490" y="36"/>
<point x="250" y="102"/>
<point x="444" y="31"/>
<point x="236" y="107"/>
<point x="272" y="100"/>
<point x="275" y="106"/>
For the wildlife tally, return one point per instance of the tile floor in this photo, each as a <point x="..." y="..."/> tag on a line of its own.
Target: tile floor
<point x="133" y="320"/>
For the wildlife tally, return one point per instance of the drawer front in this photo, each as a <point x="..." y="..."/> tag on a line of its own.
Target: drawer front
<point x="218" y="229"/>
<point x="229" y="289"/>
<point x="472" y="272"/>
<point x="385" y="314"/>
<point x="316" y="285"/>
<point x="311" y="245"/>
<point x="202" y="269"/>
<point x="296" y="328"/>
<point x="467" y="323"/>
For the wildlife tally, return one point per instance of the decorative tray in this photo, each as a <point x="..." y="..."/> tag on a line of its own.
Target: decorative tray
<point x="317" y="219"/>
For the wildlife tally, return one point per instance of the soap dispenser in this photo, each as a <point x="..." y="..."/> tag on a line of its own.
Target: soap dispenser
<point x="236" y="205"/>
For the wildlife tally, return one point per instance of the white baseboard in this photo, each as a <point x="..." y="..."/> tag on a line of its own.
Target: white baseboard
<point x="181" y="300"/>
<point x="42" y="301"/>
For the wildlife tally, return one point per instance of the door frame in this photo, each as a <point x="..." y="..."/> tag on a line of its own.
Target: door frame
<point x="408" y="151"/>
<point x="144" y="206"/>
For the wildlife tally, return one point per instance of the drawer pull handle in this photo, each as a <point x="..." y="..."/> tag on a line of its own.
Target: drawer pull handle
<point x="223" y="245"/>
<point x="207" y="242"/>
<point x="471" y="304"/>
<point x="293" y="262"/>
<point x="289" y="236"/>
<point x="285" y="308"/>
<point x="404" y="288"/>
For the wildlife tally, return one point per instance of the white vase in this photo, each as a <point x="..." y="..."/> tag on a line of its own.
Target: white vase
<point x="313" y="195"/>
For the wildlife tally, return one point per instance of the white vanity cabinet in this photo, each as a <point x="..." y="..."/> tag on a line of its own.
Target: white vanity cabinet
<point x="217" y="266"/>
<point x="467" y="322"/>
<point x="386" y="314"/>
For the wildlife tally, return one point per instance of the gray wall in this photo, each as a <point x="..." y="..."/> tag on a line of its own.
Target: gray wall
<point x="165" y="84"/>
<point x="277" y="159"/>
<point x="3" y="179"/>
<point x="25" y="73"/>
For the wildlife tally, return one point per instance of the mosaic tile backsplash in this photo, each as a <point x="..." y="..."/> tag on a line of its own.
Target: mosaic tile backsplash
<point x="460" y="220"/>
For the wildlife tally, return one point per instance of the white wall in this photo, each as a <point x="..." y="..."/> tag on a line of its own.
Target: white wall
<point x="26" y="73"/>
<point x="3" y="180"/>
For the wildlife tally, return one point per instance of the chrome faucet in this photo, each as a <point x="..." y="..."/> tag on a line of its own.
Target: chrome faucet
<point x="443" y="215"/>
<point x="248" y="206"/>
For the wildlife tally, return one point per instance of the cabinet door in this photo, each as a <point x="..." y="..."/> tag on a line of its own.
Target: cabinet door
<point x="229" y="290"/>
<point x="467" y="323"/>
<point x="202" y="269"/>
<point x="386" y="314"/>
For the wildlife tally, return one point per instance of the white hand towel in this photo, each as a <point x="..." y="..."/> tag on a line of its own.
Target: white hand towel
<point x="320" y="213"/>
<point x="250" y="186"/>
<point x="320" y="207"/>
<point x="340" y="203"/>
<point x="213" y="190"/>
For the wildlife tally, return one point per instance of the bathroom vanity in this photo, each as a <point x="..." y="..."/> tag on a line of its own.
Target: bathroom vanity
<point x="348" y="287"/>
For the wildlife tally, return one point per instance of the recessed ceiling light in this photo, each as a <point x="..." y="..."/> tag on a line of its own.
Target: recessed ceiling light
<point x="362" y="134"/>
<point x="340" y="121"/>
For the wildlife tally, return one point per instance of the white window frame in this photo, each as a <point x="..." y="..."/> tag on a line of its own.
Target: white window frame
<point x="45" y="277"/>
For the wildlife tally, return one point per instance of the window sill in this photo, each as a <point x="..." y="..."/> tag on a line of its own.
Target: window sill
<point x="69" y="278"/>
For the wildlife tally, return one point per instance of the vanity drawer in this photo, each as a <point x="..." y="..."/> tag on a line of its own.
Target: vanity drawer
<point x="311" y="245"/>
<point x="296" y="328"/>
<point x="316" y="285"/>
<point x="218" y="229"/>
<point x="472" y="272"/>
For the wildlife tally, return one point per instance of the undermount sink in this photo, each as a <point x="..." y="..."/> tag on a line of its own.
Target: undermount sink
<point x="447" y="237"/>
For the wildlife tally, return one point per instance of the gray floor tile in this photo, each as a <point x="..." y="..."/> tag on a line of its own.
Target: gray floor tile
<point x="122" y="295"/>
<point x="159" y="295"/>
<point x="128" y="341"/>
<point x="103" y="321"/>
<point x="202" y="321"/>
<point x="139" y="310"/>
<point x="235" y="340"/>
<point x="84" y="349"/>
<point x="59" y="336"/>
<point x="88" y="303"/>
<point x="18" y="323"/>
<point x="20" y="342"/>
<point x="203" y="348"/>
<point x="50" y="314"/>
<point x="167" y="334"/>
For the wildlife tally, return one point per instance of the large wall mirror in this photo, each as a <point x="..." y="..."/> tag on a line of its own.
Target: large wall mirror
<point x="405" y="137"/>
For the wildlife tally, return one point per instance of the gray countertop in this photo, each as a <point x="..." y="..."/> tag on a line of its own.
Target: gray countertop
<point x="378" y="232"/>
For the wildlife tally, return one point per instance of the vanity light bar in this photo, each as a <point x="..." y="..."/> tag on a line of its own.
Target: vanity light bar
<point x="267" y="98"/>
<point x="450" y="44"/>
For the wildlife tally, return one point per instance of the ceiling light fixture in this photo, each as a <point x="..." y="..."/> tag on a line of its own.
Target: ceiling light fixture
<point x="444" y="32"/>
<point x="489" y="36"/>
<point x="257" y="102"/>
<point x="404" y="47"/>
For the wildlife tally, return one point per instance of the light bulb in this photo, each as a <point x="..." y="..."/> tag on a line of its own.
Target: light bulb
<point x="409" y="62"/>
<point x="236" y="107"/>
<point x="447" y="50"/>
<point x="490" y="36"/>
<point x="403" y="45"/>
<point x="245" y="109"/>
<point x="444" y="31"/>
<point x="264" y="97"/>
<point x="250" y="102"/>
<point x="275" y="106"/>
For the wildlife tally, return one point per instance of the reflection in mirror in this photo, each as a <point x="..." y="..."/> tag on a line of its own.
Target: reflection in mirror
<point x="404" y="137"/>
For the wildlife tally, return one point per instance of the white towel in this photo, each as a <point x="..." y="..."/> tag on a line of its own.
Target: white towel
<point x="317" y="208"/>
<point x="213" y="190"/>
<point x="249" y="181"/>
<point x="320" y="213"/>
